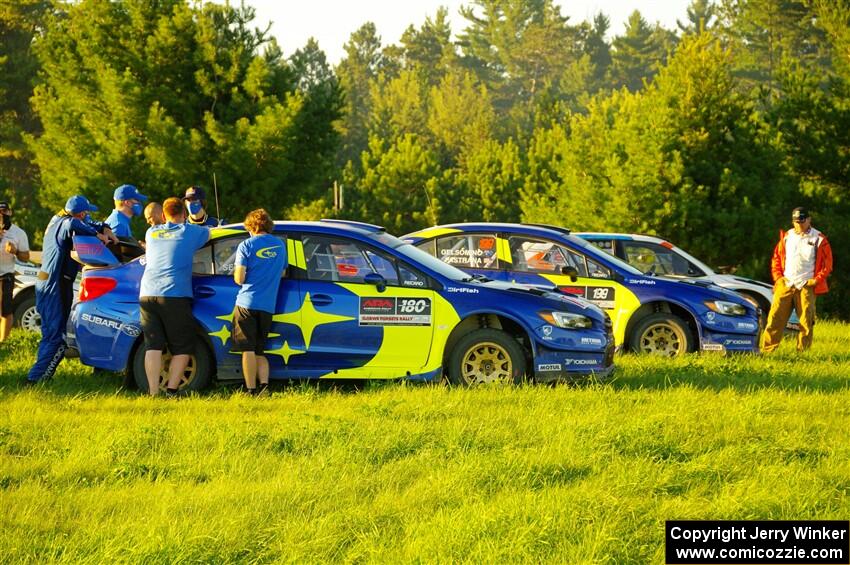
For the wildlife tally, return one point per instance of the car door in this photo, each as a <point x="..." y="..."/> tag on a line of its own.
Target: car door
<point x="540" y="261"/>
<point x="353" y="327"/>
<point x="215" y="293"/>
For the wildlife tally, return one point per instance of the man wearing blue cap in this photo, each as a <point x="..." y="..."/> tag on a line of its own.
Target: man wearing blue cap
<point x="196" y="208"/>
<point x="54" y="290"/>
<point x="128" y="203"/>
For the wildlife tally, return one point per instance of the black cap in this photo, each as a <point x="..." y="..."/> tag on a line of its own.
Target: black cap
<point x="800" y="214"/>
<point x="195" y="193"/>
<point x="4" y="206"/>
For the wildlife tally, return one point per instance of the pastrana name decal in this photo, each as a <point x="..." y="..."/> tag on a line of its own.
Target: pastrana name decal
<point x="391" y="311"/>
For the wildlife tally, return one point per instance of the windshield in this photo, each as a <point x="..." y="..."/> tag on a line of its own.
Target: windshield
<point x="418" y="256"/>
<point x="597" y="253"/>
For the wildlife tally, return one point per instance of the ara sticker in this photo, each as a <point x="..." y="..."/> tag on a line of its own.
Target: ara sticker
<point x="392" y="311"/>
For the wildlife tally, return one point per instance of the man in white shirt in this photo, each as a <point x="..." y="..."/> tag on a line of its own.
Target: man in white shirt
<point x="802" y="260"/>
<point x="13" y="244"/>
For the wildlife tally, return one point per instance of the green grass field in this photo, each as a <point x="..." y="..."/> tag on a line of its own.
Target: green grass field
<point x="398" y="473"/>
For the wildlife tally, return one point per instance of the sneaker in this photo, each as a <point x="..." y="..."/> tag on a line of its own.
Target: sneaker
<point x="173" y="395"/>
<point x="263" y="389"/>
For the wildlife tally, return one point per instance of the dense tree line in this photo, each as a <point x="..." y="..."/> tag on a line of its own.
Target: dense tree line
<point x="708" y="134"/>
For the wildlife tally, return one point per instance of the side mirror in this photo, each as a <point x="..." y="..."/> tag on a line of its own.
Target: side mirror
<point x="571" y="272"/>
<point x="376" y="279"/>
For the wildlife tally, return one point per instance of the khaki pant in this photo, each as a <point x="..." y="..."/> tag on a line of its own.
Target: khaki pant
<point x="784" y="299"/>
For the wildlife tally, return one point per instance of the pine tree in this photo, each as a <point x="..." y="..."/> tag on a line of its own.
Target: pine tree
<point x="20" y="23"/>
<point x="165" y="94"/>
<point x="702" y="15"/>
<point x="640" y="52"/>
<point x="361" y="65"/>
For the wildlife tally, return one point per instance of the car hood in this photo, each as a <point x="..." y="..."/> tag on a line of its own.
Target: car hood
<point x="710" y="290"/>
<point x="548" y="298"/>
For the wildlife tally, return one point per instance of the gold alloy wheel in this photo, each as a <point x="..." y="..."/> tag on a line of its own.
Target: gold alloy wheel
<point x="485" y="363"/>
<point x="188" y="374"/>
<point x="662" y="339"/>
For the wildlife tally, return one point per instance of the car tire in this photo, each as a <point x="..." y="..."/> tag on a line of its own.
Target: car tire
<point x="661" y="334"/>
<point x="26" y="316"/>
<point x="486" y="356"/>
<point x="196" y="377"/>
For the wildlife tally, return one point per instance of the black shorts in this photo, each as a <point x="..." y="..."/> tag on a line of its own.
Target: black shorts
<point x="168" y="321"/>
<point x="250" y="330"/>
<point x="7" y="284"/>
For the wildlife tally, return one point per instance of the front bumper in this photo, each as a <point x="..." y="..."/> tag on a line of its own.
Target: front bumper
<point x="573" y="366"/>
<point x="723" y="342"/>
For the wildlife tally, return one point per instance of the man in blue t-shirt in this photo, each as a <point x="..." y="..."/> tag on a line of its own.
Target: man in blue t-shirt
<point x="165" y="295"/>
<point x="128" y="203"/>
<point x="260" y="262"/>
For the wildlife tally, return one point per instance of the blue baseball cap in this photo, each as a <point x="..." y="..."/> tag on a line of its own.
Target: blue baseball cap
<point x="79" y="203"/>
<point x="128" y="192"/>
<point x="195" y="193"/>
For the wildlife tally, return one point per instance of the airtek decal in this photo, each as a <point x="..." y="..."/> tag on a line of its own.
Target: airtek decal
<point x="391" y="311"/>
<point x="128" y="329"/>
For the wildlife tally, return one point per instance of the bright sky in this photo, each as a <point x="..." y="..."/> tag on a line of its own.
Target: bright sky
<point x="331" y="22"/>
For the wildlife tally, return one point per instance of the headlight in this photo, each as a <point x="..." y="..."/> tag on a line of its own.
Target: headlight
<point x="567" y="320"/>
<point x="726" y="308"/>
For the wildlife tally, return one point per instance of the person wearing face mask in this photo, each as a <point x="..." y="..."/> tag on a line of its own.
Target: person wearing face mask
<point x="128" y="203"/>
<point x="54" y="290"/>
<point x="196" y="208"/>
<point x="802" y="260"/>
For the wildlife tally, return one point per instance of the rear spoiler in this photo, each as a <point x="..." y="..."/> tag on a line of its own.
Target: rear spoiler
<point x="90" y="251"/>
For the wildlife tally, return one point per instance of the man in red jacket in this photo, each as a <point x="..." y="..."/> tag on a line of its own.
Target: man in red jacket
<point x="801" y="262"/>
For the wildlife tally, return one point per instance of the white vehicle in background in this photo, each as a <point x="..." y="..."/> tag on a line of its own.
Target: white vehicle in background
<point x="654" y="254"/>
<point x="23" y="297"/>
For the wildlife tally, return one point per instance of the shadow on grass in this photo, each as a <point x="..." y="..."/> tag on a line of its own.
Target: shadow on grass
<point x="746" y="373"/>
<point x="824" y="369"/>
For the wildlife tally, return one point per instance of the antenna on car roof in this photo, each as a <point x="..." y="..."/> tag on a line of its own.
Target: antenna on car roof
<point x="217" y="211"/>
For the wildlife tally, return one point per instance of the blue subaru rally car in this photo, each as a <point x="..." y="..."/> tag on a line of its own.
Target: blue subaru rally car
<point x="355" y="302"/>
<point x="650" y="314"/>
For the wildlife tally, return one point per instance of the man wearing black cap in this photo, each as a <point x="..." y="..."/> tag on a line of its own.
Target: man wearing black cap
<point x="54" y="290"/>
<point x="13" y="245"/>
<point x="196" y="208"/>
<point x="802" y="260"/>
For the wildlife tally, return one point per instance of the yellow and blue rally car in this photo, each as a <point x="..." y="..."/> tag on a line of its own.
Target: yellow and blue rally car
<point x="651" y="314"/>
<point x="355" y="302"/>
